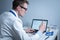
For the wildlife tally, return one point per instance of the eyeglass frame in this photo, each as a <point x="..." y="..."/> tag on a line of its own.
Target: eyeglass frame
<point x="24" y="8"/>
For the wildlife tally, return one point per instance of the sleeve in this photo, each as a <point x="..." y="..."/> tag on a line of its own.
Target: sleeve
<point x="24" y="36"/>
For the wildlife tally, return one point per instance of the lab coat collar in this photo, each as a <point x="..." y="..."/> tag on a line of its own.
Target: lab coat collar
<point x="14" y="12"/>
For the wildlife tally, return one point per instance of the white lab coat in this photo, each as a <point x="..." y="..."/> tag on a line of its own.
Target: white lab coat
<point x="12" y="28"/>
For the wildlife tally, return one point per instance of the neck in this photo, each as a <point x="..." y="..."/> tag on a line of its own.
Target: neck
<point x="16" y="12"/>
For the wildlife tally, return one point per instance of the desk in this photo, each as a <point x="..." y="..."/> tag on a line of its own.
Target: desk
<point x="54" y="37"/>
<point x="55" y="34"/>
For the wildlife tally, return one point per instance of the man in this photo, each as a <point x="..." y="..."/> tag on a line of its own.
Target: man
<point x="12" y="26"/>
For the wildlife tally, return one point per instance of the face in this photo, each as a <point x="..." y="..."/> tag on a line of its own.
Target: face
<point x="22" y="9"/>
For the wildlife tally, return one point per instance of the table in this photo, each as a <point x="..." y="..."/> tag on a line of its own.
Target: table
<point x="53" y="37"/>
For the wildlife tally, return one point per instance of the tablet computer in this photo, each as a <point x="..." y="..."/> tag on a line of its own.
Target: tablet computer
<point x="37" y="22"/>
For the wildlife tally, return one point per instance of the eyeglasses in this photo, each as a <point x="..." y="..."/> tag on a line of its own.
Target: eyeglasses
<point x="23" y="8"/>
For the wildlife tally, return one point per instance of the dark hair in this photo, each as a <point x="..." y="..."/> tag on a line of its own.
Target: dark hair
<point x="19" y="2"/>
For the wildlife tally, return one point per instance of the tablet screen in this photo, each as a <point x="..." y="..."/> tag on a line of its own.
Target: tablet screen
<point x="37" y="22"/>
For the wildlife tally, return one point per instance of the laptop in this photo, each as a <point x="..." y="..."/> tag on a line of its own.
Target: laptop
<point x="36" y="24"/>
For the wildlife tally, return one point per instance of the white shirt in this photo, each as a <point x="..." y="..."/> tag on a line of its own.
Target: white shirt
<point x="12" y="28"/>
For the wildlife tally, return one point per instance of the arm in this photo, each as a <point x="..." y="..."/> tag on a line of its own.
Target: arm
<point x="18" y="26"/>
<point x="29" y="30"/>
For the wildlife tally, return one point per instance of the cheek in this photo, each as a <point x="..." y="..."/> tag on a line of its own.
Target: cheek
<point x="21" y="12"/>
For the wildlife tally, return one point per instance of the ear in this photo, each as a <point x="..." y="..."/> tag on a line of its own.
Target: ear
<point x="18" y="8"/>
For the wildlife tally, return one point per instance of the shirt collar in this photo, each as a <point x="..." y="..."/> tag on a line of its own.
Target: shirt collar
<point x="14" y="12"/>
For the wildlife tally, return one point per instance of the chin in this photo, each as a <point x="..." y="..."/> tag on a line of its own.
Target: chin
<point x="21" y="15"/>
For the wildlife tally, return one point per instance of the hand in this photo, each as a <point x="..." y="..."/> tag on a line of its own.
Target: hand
<point x="29" y="30"/>
<point x="42" y="27"/>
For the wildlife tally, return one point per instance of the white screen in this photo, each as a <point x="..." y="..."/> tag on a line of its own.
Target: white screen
<point x="37" y="23"/>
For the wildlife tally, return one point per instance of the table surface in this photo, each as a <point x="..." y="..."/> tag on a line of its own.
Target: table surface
<point x="55" y="33"/>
